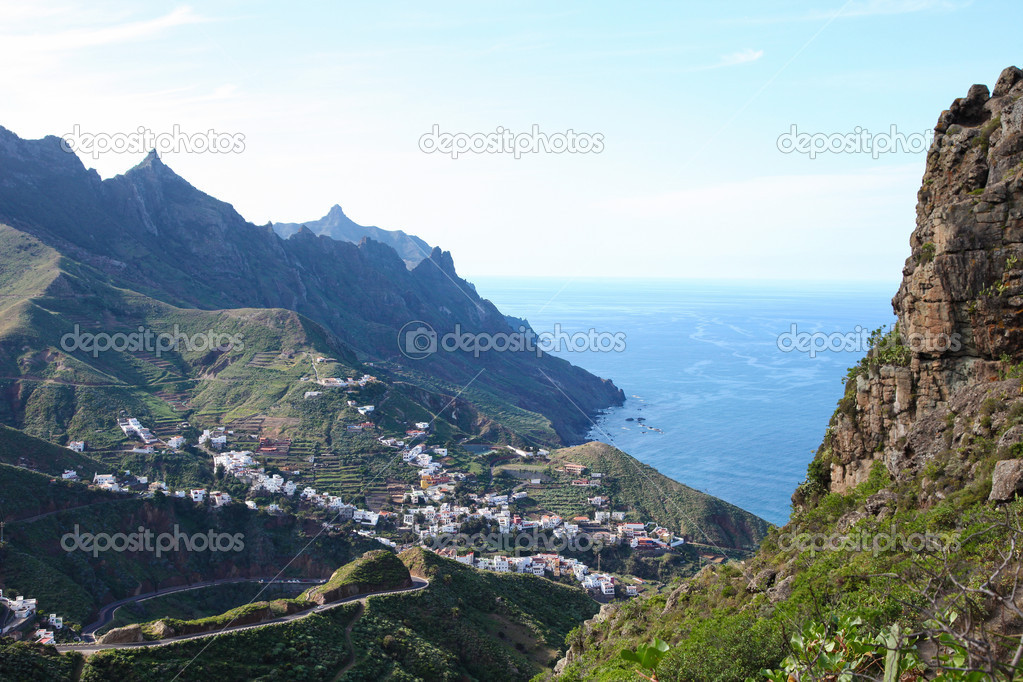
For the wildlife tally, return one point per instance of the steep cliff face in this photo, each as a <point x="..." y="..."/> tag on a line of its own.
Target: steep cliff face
<point x="960" y="303"/>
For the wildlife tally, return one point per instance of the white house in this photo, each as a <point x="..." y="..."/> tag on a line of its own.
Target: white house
<point x="23" y="608"/>
<point x="106" y="481"/>
<point x="219" y="498"/>
<point x="198" y="495"/>
<point x="77" y="445"/>
<point x="176" y="442"/>
<point x="69" y="475"/>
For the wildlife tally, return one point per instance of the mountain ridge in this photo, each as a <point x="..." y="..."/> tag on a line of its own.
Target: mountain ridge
<point x="151" y="231"/>
<point x="336" y="225"/>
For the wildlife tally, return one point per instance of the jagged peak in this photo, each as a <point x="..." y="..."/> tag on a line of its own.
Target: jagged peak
<point x="152" y="160"/>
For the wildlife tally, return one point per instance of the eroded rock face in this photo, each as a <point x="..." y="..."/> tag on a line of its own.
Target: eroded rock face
<point x="1007" y="480"/>
<point x="126" y="635"/>
<point x="960" y="304"/>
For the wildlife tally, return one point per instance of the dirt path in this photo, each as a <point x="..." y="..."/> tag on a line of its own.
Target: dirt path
<point x="348" y="641"/>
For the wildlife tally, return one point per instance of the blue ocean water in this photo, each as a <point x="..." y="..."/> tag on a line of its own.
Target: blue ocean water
<point x="723" y="409"/>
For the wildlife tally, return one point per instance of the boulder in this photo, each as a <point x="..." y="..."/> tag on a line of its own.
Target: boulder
<point x="782" y="590"/>
<point x="126" y="635"/>
<point x="1007" y="480"/>
<point x="762" y="580"/>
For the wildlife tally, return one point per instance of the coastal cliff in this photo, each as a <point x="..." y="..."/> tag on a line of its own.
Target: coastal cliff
<point x="901" y="557"/>
<point x="960" y="303"/>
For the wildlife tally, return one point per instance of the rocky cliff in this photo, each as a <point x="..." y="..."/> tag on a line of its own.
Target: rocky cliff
<point x="960" y="302"/>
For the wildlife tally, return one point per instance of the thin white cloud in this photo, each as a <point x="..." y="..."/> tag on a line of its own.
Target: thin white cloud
<point x="870" y="8"/>
<point x="741" y="57"/>
<point x="856" y="9"/>
<point x="746" y="56"/>
<point x="80" y="38"/>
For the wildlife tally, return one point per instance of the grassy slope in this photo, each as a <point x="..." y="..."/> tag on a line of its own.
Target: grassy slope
<point x="699" y="516"/>
<point x="312" y="648"/>
<point x="374" y="571"/>
<point x="20" y="449"/>
<point x="197" y="604"/>
<point x="33" y="563"/>
<point x="485" y="625"/>
<point x="718" y="625"/>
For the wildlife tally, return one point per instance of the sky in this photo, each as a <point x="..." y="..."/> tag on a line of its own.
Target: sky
<point x="691" y="111"/>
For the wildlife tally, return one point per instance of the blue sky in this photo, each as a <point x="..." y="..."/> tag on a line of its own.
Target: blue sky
<point x="689" y="98"/>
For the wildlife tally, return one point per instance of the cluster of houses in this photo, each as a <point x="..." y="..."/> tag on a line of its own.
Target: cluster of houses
<point x="446" y="518"/>
<point x="20" y="610"/>
<point x="542" y="564"/>
<point x="638" y="537"/>
<point x="129" y="483"/>
<point x="216" y="438"/>
<point x="336" y="382"/>
<point x="243" y="466"/>
<point x="131" y="426"/>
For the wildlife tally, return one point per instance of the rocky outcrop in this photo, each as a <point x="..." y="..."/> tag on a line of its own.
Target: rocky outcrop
<point x="126" y="635"/>
<point x="575" y="649"/>
<point x="1007" y="480"/>
<point x="960" y="304"/>
<point x="782" y="590"/>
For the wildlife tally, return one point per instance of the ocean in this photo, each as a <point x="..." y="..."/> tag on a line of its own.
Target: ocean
<point x="712" y="401"/>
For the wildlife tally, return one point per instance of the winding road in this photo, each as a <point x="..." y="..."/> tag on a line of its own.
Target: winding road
<point x="106" y="613"/>
<point x="92" y="647"/>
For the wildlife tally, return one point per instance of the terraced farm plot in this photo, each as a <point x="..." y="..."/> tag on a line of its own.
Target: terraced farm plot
<point x="83" y="321"/>
<point x="253" y="424"/>
<point x="165" y="427"/>
<point x="564" y="500"/>
<point x="303" y="449"/>
<point x="155" y="369"/>
<point x="177" y="400"/>
<point x="331" y="474"/>
<point x="265" y="359"/>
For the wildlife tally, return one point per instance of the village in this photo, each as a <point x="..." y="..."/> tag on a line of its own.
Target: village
<point x="429" y="512"/>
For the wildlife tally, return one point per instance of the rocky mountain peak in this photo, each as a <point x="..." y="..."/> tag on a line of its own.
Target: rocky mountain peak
<point x="960" y="303"/>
